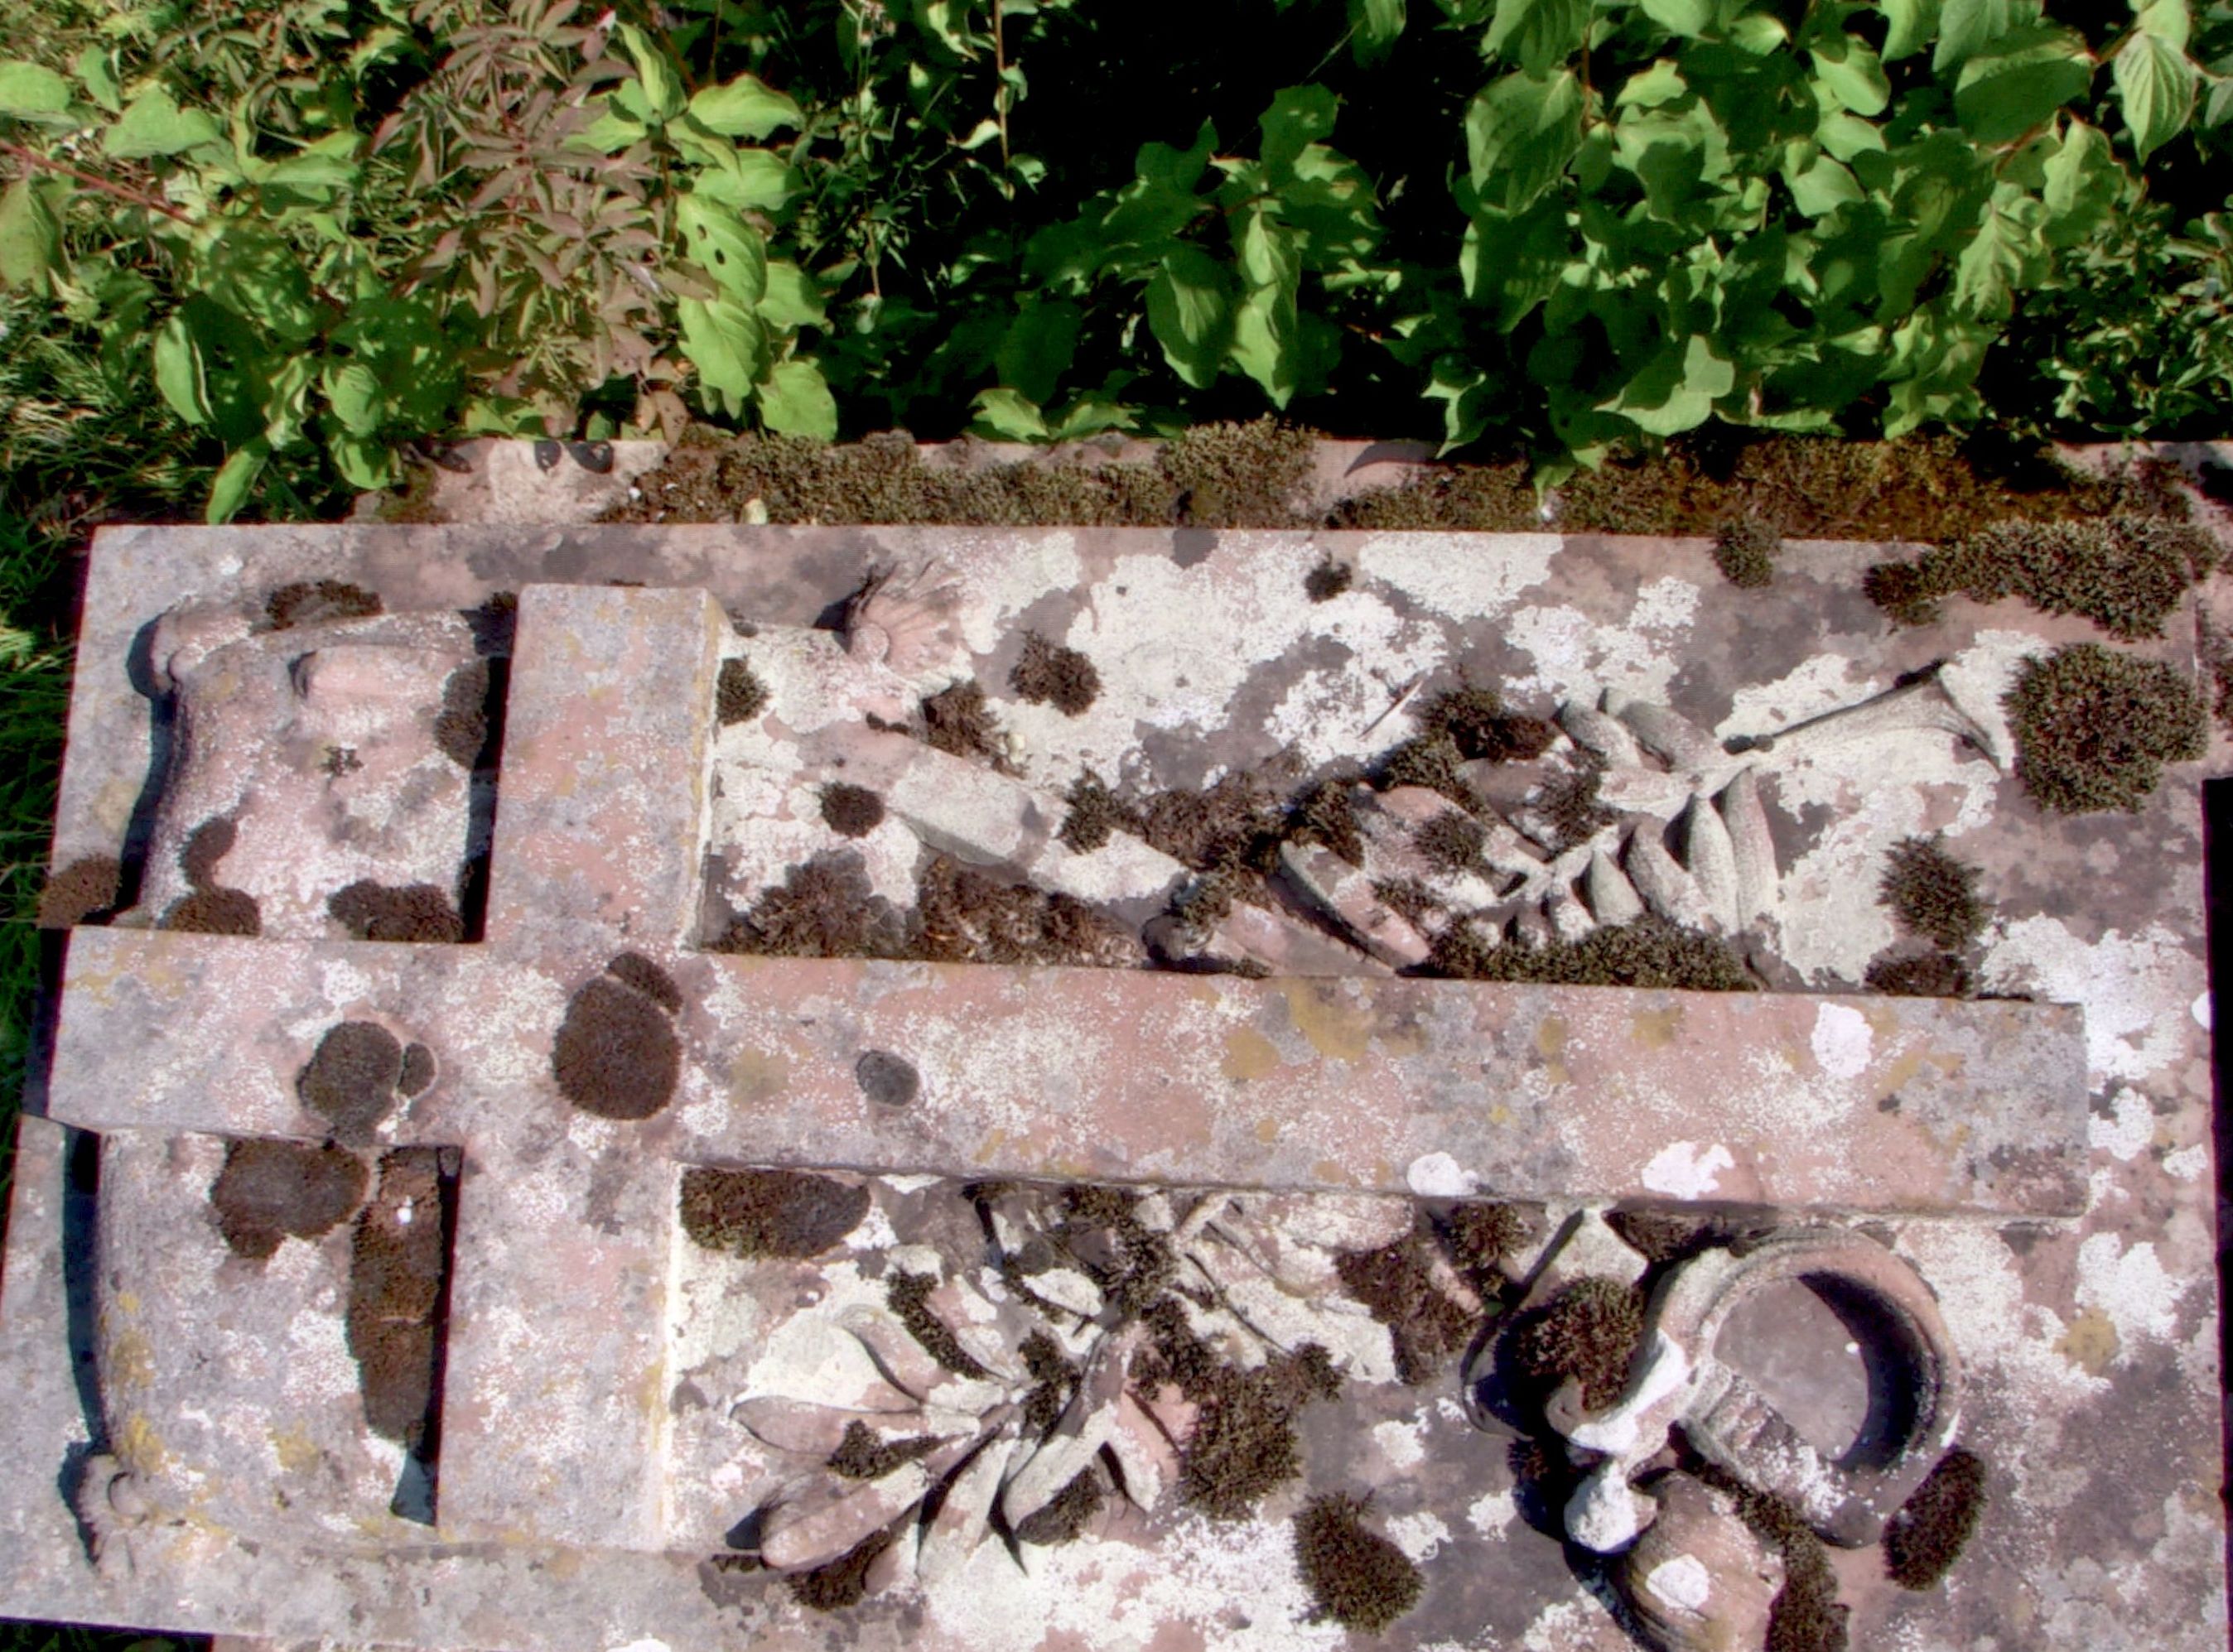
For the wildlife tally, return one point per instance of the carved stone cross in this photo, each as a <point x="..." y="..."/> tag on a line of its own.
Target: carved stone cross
<point x="585" y="1051"/>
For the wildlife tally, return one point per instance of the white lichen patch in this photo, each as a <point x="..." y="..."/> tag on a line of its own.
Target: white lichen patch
<point x="1464" y="578"/>
<point x="2129" y="1286"/>
<point x="2128" y="1130"/>
<point x="1823" y="683"/>
<point x="2133" y="988"/>
<point x="1437" y="1175"/>
<point x="1419" y="1536"/>
<point x="1843" y="1042"/>
<point x="1403" y="1444"/>
<point x="1491" y="1515"/>
<point x="1686" y="1170"/>
<point x="2016" y="1345"/>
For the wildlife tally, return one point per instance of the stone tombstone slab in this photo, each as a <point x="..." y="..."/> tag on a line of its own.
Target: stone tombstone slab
<point x="461" y="1212"/>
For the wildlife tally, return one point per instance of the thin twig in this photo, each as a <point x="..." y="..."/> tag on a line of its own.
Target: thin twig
<point x="31" y="157"/>
<point x="1000" y="86"/>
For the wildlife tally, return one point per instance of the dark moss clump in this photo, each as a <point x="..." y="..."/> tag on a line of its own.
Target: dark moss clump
<point x="1925" y="1539"/>
<point x="1244" y="1443"/>
<point x="1327" y="814"/>
<point x="1932" y="895"/>
<point x="634" y="969"/>
<point x="1911" y="975"/>
<point x="315" y="601"/>
<point x="843" y="1581"/>
<point x="1328" y="580"/>
<point x="1054" y="1380"/>
<point x="416" y="912"/>
<point x="1649" y="953"/>
<point x="1408" y="900"/>
<point x="851" y="811"/>
<point x="207" y="845"/>
<point x="212" y="909"/>
<point x="825" y="908"/>
<point x="1479" y="1234"/>
<point x="1234" y="826"/>
<point x="787" y="1214"/>
<point x="1067" y="1513"/>
<point x="1476" y="722"/>
<point x="1098" y="1232"/>
<point x="1397" y="1283"/>
<point x="957" y="721"/>
<point x="1049" y="675"/>
<point x="1094" y="813"/>
<point x="908" y="1296"/>
<point x="1588" y="1333"/>
<point x="963" y="916"/>
<point x="1474" y="499"/>
<point x="1745" y="550"/>
<point x="269" y="1189"/>
<point x="739" y="695"/>
<point x="351" y="1079"/>
<point x="1238" y="476"/>
<point x="2125" y="573"/>
<point x="461" y="727"/>
<point x="1358" y="1577"/>
<point x="1807" y="1616"/>
<point x="1451" y="842"/>
<point x="861" y="1455"/>
<point x="2093" y="728"/>
<point x="616" y="1055"/>
<point x="1428" y="760"/>
<point x="1569" y="801"/>
<point x="397" y="1257"/>
<point x="85" y="891"/>
<point x="419" y="1072"/>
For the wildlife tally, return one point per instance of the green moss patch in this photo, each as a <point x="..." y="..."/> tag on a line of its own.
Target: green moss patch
<point x="1588" y="1332"/>
<point x="2093" y="727"/>
<point x="1244" y="1443"/>
<point x="1933" y="895"/>
<point x="1396" y="1284"/>
<point x="2125" y="573"/>
<point x="1649" y="953"/>
<point x="1478" y="725"/>
<point x="1054" y="1380"/>
<point x="1452" y="843"/>
<point x="963" y="916"/>
<point x="1745" y="550"/>
<point x="1920" y="975"/>
<point x="1806" y="1614"/>
<point x="785" y="1215"/>
<point x="1928" y="1535"/>
<point x="957" y="721"/>
<point x="461" y="727"/>
<point x="826" y="907"/>
<point x="616" y="1054"/>
<point x="1356" y="1577"/>
<point x="351" y="1079"/>
<point x="843" y="1581"/>
<point x="739" y="695"/>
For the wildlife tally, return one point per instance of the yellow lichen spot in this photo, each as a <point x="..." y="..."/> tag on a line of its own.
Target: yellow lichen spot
<point x="128" y="1302"/>
<point x="130" y="1361"/>
<point x="1655" y="1028"/>
<point x="1500" y="1114"/>
<point x="139" y="1447"/>
<point x="297" y="1454"/>
<point x="1267" y="1131"/>
<point x="2090" y="1344"/>
<point x="993" y="1143"/>
<point x="1333" y="1173"/>
<point x="1334" y="1026"/>
<point x="1898" y="1075"/>
<point x="1551" y="1037"/>
<point x="755" y="1077"/>
<point x="1248" y="1055"/>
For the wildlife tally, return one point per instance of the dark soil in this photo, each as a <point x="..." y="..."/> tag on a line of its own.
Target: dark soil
<point x="850" y="810"/>
<point x="315" y="601"/>
<point x="269" y="1189"/>
<point x="416" y="912"/>
<point x="2094" y="727"/>
<point x="85" y="891"/>
<point x="1925" y="1539"/>
<point x="461" y="727"/>
<point x="788" y="1214"/>
<point x="616" y="1054"/>
<point x="739" y="695"/>
<point x="1356" y="1577"/>
<point x="1649" y="953"/>
<point x="861" y="1455"/>
<point x="1066" y="1515"/>
<point x="398" y="1256"/>
<point x="350" y="1079"/>
<point x="1049" y="675"/>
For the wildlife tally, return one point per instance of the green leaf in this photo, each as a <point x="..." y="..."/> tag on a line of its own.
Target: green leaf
<point x="726" y="343"/>
<point x="1520" y="135"/>
<point x="1190" y="313"/>
<point x="1300" y="116"/>
<point x="1909" y="25"/>
<point x="1677" y="391"/>
<point x="1818" y="185"/>
<point x="1538" y="35"/>
<point x="362" y="463"/>
<point x="154" y="124"/>
<point x="1998" y="258"/>
<point x="1689" y="19"/>
<point x="2021" y="82"/>
<point x="661" y="90"/>
<point x="2155" y="85"/>
<point x="1036" y="348"/>
<point x="30" y="238"/>
<point x="792" y="301"/>
<point x="751" y="180"/>
<point x="745" y="108"/>
<point x="229" y="491"/>
<point x="2168" y="21"/>
<point x="725" y="247"/>
<point x="796" y="401"/>
<point x="353" y="391"/>
<point x="1375" y="25"/>
<point x="1662" y="83"/>
<point x="98" y="75"/>
<point x="28" y="88"/>
<point x="178" y="373"/>
<point x="1853" y="74"/>
<point x="2083" y="184"/>
<point x="1006" y="416"/>
<point x="1758" y="33"/>
<point x="1966" y="28"/>
<point x="1267" y="330"/>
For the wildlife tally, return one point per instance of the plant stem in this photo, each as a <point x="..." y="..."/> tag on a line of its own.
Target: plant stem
<point x="31" y="157"/>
